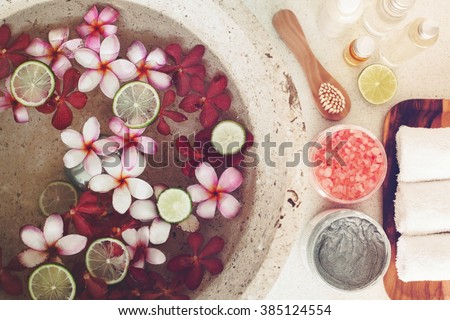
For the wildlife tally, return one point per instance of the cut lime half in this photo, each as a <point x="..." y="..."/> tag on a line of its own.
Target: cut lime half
<point x="51" y="282"/>
<point x="108" y="259"/>
<point x="174" y="205"/>
<point x="228" y="137"/>
<point x="137" y="104"/>
<point x="57" y="197"/>
<point x="377" y="84"/>
<point x="32" y="83"/>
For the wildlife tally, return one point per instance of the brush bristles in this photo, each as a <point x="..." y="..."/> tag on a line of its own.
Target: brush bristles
<point x="331" y="98"/>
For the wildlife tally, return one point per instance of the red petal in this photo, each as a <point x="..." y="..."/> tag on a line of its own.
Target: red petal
<point x="214" y="246"/>
<point x="5" y="36"/>
<point x="249" y="140"/>
<point x="217" y="85"/>
<point x="191" y="103"/>
<point x="208" y="116"/>
<point x="77" y="99"/>
<point x="47" y="108"/>
<point x="82" y="226"/>
<point x="189" y="168"/>
<point x="70" y="81"/>
<point x="195" y="241"/>
<point x="163" y="128"/>
<point x="174" y="51"/>
<point x="157" y="279"/>
<point x="90" y="208"/>
<point x="11" y="284"/>
<point x="17" y="58"/>
<point x="97" y="288"/>
<point x="180" y="263"/>
<point x="221" y="101"/>
<point x="198" y="84"/>
<point x="20" y="43"/>
<point x="182" y="82"/>
<point x="88" y="197"/>
<point x="194" y="277"/>
<point x="213" y="265"/>
<point x="234" y="160"/>
<point x="168" y="69"/>
<point x="5" y="69"/>
<point x="168" y="99"/>
<point x="194" y="56"/>
<point x="139" y="275"/>
<point x="62" y="117"/>
<point x="183" y="146"/>
<point x="203" y="136"/>
<point x="175" y="116"/>
<point x="197" y="70"/>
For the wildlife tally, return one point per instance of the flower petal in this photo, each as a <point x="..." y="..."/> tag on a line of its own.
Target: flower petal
<point x="109" y="49"/>
<point x="31" y="258"/>
<point x="194" y="277"/>
<point x="61" y="65"/>
<point x="77" y="99"/>
<point x="88" y="58"/>
<point x="158" y="189"/>
<point x="123" y="69"/>
<point x="121" y="199"/>
<point x="129" y="157"/>
<point x="162" y="127"/>
<point x="33" y="237"/>
<point x="70" y="81"/>
<point x="38" y="48"/>
<point x="136" y="52"/>
<point x="180" y="263"/>
<point x="138" y="169"/>
<point x="154" y="256"/>
<point x="113" y="166"/>
<point x="20" y="113"/>
<point x="89" y="80"/>
<point x="71" y="244"/>
<point x="208" y="116"/>
<point x="159" y="80"/>
<point x="69" y="47"/>
<point x="230" y="180"/>
<point x="191" y="103"/>
<point x="143" y="210"/>
<point x="74" y="157"/>
<point x="213" y="265"/>
<point x="207" y="176"/>
<point x="194" y="56"/>
<point x="130" y="237"/>
<point x="109" y="84"/>
<point x="139" y="263"/>
<point x="207" y="209"/>
<point x="198" y="193"/>
<point x="182" y="82"/>
<point x="92" y="164"/>
<point x="108" y="30"/>
<point x="175" y="115"/>
<point x="93" y="41"/>
<point x="139" y="188"/>
<point x="17" y="58"/>
<point x="103" y="183"/>
<point x="5" y="35"/>
<point x="221" y="101"/>
<point x="147" y="145"/>
<point x="91" y="130"/>
<point x="84" y="30"/>
<point x="214" y="246"/>
<point x="228" y="205"/>
<point x="117" y="126"/>
<point x="57" y="37"/>
<point x="159" y="231"/>
<point x="63" y="117"/>
<point x="53" y="229"/>
<point x="91" y="15"/>
<point x="143" y="237"/>
<point x="217" y="85"/>
<point x="174" y="50"/>
<point x="5" y="68"/>
<point x="20" y="43"/>
<point x="109" y="15"/>
<point x="157" y="58"/>
<point x="105" y="146"/>
<point x="73" y="139"/>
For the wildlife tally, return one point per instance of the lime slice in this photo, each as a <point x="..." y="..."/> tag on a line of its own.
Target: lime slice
<point x="377" y="84"/>
<point x="51" y="282"/>
<point x="57" y="197"/>
<point x="228" y="137"/>
<point x="108" y="259"/>
<point x="32" y="83"/>
<point x="137" y="104"/>
<point x="174" y="205"/>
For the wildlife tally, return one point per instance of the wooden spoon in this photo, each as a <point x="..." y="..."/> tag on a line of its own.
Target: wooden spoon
<point x="289" y="29"/>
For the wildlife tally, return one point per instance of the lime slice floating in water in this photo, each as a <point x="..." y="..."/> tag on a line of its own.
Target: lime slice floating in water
<point x="32" y="83"/>
<point x="137" y="104"/>
<point x="174" y="205"/>
<point x="228" y="137"/>
<point x="57" y="197"/>
<point x="377" y="84"/>
<point x="108" y="259"/>
<point x="51" y="282"/>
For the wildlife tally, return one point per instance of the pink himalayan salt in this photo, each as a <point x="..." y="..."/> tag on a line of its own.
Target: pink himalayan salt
<point x="364" y="166"/>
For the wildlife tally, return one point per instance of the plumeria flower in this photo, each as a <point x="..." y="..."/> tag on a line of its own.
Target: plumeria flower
<point x="168" y="100"/>
<point x="131" y="141"/>
<point x="97" y="25"/>
<point x="86" y="147"/>
<point x="148" y="64"/>
<point x="137" y="244"/>
<point x="64" y="96"/>
<point x="123" y="181"/>
<point x="8" y="102"/>
<point x="56" y="52"/>
<point x="50" y="243"/>
<point x="103" y="68"/>
<point x="11" y="52"/>
<point x="213" y="193"/>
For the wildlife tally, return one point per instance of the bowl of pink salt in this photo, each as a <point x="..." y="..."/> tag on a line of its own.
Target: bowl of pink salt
<point x="348" y="164"/>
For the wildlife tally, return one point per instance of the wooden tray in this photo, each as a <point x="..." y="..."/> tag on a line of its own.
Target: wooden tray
<point x="413" y="113"/>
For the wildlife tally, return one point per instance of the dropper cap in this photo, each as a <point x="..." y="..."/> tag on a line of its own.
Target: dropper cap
<point x="428" y="29"/>
<point x="348" y="6"/>
<point x="364" y="46"/>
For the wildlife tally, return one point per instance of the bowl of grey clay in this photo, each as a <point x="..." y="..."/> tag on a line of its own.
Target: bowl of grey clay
<point x="346" y="249"/>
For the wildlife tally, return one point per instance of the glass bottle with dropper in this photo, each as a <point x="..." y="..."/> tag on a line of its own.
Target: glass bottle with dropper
<point x="405" y="44"/>
<point x="336" y="16"/>
<point x="359" y="50"/>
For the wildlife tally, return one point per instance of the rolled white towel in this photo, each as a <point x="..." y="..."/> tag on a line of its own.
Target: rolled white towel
<point x="423" y="154"/>
<point x="423" y="258"/>
<point x="422" y="207"/>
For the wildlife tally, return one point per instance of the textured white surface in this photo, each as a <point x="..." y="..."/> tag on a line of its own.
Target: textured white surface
<point x="425" y="76"/>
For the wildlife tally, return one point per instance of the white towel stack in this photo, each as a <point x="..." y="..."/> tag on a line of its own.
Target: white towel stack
<point x="422" y="205"/>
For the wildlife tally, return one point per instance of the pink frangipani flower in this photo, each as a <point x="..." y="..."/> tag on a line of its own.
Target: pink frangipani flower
<point x="131" y="141"/>
<point x="123" y="181"/>
<point x="213" y="193"/>
<point x="148" y="64"/>
<point x="86" y="147"/>
<point x="103" y="68"/>
<point x="50" y="243"/>
<point x="57" y="52"/>
<point x="138" y="241"/>
<point x="8" y="102"/>
<point x="97" y="25"/>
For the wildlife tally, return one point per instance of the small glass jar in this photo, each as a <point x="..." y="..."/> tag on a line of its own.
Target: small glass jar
<point x="336" y="16"/>
<point x="359" y="50"/>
